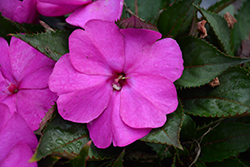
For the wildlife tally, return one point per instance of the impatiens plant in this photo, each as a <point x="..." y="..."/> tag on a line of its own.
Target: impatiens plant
<point x="18" y="141"/>
<point x="139" y="83"/>
<point x="24" y="81"/>
<point x="82" y="10"/>
<point x="119" y="82"/>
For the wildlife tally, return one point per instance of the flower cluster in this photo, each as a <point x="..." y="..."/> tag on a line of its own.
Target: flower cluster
<point x="117" y="81"/>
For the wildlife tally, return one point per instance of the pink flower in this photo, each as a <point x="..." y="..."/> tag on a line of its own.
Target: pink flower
<point x="18" y="141"/>
<point x="19" y="11"/>
<point x="118" y="81"/>
<point x="24" y="74"/>
<point x="82" y="10"/>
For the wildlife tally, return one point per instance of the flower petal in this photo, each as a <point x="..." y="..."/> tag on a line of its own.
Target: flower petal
<point x="137" y="43"/>
<point x="85" y="105"/>
<point x="5" y="115"/>
<point x="14" y="131"/>
<point x="26" y="12"/>
<point x="19" y="156"/>
<point x="8" y="7"/>
<point x="146" y="56"/>
<point x="99" y="50"/>
<point x="67" y="2"/>
<point x="33" y="104"/>
<point x="107" y="10"/>
<point x="5" y="66"/>
<point x="109" y="127"/>
<point x="10" y="101"/>
<point x="22" y="64"/>
<point x="65" y="79"/>
<point x="49" y="9"/>
<point x="145" y="101"/>
<point x="36" y="80"/>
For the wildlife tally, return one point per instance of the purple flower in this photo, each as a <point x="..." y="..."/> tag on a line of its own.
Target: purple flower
<point x="20" y="11"/>
<point x="82" y="10"/>
<point x="18" y="141"/>
<point x="118" y="81"/>
<point x="24" y="74"/>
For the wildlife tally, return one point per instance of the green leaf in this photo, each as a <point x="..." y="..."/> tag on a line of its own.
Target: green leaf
<point x="220" y="27"/>
<point x="52" y="44"/>
<point x="162" y="150"/>
<point x="226" y="140"/>
<point x="202" y="62"/>
<point x="101" y="154"/>
<point x="230" y="98"/>
<point x="169" y="133"/>
<point x="61" y="138"/>
<point x="188" y="128"/>
<point x="9" y="26"/>
<point x="119" y="160"/>
<point x="147" y="9"/>
<point x="241" y="30"/>
<point x="81" y="158"/>
<point x="176" y="18"/>
<point x="227" y="162"/>
<point x="219" y="6"/>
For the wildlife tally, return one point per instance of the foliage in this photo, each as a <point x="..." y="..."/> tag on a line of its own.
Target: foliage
<point x="211" y="125"/>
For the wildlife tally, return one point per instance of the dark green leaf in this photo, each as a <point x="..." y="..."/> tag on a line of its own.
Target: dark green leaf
<point x="8" y="26"/>
<point x="226" y="140"/>
<point x="162" y="150"/>
<point x="220" y="5"/>
<point x="220" y="27"/>
<point x="49" y="161"/>
<point x="202" y="62"/>
<point x="200" y="164"/>
<point x="176" y="18"/>
<point x="241" y="30"/>
<point x="61" y="138"/>
<point x="52" y="44"/>
<point x="187" y="128"/>
<point x="101" y="154"/>
<point x="230" y="98"/>
<point x="227" y="162"/>
<point x="119" y="160"/>
<point x="169" y="133"/>
<point x="81" y="158"/>
<point x="147" y="9"/>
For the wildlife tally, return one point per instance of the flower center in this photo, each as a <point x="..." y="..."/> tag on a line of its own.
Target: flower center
<point x="13" y="88"/>
<point x="119" y="82"/>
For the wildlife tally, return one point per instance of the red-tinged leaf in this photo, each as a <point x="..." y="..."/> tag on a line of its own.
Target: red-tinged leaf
<point x="135" y="22"/>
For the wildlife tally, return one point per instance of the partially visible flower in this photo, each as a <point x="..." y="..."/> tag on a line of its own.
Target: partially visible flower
<point x="82" y="10"/>
<point x="18" y="142"/>
<point x="20" y="11"/>
<point x="119" y="82"/>
<point x="24" y="74"/>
